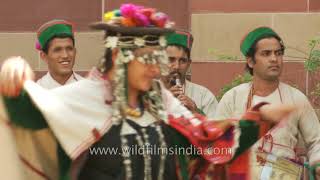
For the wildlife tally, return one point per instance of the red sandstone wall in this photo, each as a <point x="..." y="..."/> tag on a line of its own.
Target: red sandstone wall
<point x="25" y="17"/>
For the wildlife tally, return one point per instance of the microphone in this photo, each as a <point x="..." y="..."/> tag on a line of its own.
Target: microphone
<point x="178" y="82"/>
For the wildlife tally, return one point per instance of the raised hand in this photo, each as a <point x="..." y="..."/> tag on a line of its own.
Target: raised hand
<point x="176" y="90"/>
<point x="14" y="72"/>
<point x="188" y="102"/>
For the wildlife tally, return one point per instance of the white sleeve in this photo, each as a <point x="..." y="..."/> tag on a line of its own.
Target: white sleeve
<point x="209" y="105"/>
<point x="309" y="127"/>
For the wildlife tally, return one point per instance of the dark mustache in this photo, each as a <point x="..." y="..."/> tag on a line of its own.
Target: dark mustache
<point x="274" y="66"/>
<point x="175" y="75"/>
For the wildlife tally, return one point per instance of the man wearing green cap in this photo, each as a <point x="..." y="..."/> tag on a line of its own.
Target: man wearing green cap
<point x="38" y="147"/>
<point x="264" y="50"/>
<point x="57" y="48"/>
<point x="195" y="97"/>
<point x="56" y="44"/>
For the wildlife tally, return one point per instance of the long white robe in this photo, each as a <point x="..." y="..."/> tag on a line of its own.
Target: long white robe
<point x="304" y="121"/>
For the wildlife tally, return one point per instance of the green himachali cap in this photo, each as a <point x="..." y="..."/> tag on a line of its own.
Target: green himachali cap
<point x="254" y="36"/>
<point x="54" y="28"/>
<point x="180" y="38"/>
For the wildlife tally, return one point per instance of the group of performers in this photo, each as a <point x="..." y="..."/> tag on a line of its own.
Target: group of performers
<point x="124" y="102"/>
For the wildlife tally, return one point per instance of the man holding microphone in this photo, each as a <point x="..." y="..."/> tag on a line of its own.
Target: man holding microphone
<point x="196" y="98"/>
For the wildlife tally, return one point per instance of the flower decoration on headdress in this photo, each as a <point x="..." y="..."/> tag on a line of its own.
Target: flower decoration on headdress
<point x="130" y="15"/>
<point x="162" y="41"/>
<point x="139" y="41"/>
<point x="111" y="42"/>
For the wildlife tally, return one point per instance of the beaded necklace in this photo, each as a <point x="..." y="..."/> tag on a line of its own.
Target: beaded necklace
<point x="142" y="143"/>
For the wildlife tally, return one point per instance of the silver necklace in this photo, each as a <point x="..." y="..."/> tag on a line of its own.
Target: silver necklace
<point x="146" y="154"/>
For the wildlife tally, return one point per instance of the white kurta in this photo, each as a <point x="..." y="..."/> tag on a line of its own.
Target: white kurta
<point x="48" y="82"/>
<point x="203" y="97"/>
<point x="304" y="121"/>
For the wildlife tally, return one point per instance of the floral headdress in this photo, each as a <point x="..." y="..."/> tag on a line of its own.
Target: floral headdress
<point x="127" y="29"/>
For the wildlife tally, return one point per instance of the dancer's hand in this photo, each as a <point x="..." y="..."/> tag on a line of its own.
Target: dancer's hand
<point x="276" y="113"/>
<point x="14" y="72"/>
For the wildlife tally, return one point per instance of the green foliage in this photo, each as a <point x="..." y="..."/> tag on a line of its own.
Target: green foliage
<point x="312" y="63"/>
<point x="227" y="57"/>
<point x="240" y="79"/>
<point x="223" y="57"/>
<point x="316" y="91"/>
<point x="315" y="95"/>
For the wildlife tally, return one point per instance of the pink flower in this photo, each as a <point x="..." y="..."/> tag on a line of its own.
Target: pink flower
<point x="128" y="10"/>
<point x="141" y="19"/>
<point x="38" y="46"/>
<point x="159" y="19"/>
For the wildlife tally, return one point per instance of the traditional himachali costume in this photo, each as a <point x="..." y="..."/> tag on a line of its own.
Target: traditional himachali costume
<point x="93" y="113"/>
<point x="275" y="155"/>
<point x="204" y="99"/>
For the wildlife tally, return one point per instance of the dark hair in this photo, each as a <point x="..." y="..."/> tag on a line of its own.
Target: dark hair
<point x="184" y="49"/>
<point x="253" y="49"/>
<point x="107" y="61"/>
<point x="62" y="36"/>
